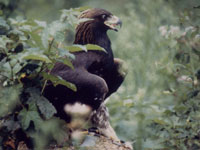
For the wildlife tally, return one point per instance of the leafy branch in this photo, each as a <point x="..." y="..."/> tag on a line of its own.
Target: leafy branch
<point x="29" y="50"/>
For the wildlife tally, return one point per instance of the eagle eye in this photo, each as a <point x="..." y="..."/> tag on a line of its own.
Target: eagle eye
<point x="104" y="16"/>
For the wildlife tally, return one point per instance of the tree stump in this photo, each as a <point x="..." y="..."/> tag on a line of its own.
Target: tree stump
<point x="96" y="142"/>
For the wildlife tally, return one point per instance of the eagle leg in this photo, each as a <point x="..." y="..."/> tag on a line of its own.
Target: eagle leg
<point x="100" y="119"/>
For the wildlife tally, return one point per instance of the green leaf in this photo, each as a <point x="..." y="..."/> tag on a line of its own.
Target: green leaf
<point x="45" y="107"/>
<point x="39" y="57"/>
<point x="41" y="23"/>
<point x="5" y="69"/>
<point x="161" y="122"/>
<point x="82" y="8"/>
<point x="58" y="80"/>
<point x="3" y="24"/>
<point x="26" y="28"/>
<point x="77" y="48"/>
<point x="63" y="53"/>
<point x="9" y="98"/>
<point x="81" y="47"/>
<point x="3" y="41"/>
<point x="66" y="62"/>
<point x="11" y="124"/>
<point x="31" y="114"/>
<point x="36" y="38"/>
<point x="59" y="36"/>
<point x="25" y="116"/>
<point x="95" y="47"/>
<point x="16" y="32"/>
<point x="45" y="38"/>
<point x="140" y="115"/>
<point x="153" y="144"/>
<point x="17" y="67"/>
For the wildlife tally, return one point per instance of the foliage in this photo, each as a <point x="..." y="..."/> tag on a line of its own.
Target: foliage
<point x="28" y="51"/>
<point x="8" y="6"/>
<point x="150" y="44"/>
<point x="180" y="120"/>
<point x="141" y="99"/>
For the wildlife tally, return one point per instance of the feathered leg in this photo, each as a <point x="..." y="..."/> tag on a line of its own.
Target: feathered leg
<point x="100" y="119"/>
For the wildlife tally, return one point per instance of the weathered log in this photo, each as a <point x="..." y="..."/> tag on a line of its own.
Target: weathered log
<point x="93" y="142"/>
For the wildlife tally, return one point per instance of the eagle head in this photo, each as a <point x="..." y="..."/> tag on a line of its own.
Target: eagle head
<point x="102" y="19"/>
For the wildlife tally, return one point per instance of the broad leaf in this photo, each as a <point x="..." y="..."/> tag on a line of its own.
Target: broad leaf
<point x="82" y="8"/>
<point x="160" y="121"/>
<point x="41" y="23"/>
<point x="81" y="47"/>
<point x="95" y="47"/>
<point x="36" y="39"/>
<point x="25" y="116"/>
<point x="9" y="99"/>
<point x="64" y="52"/>
<point x="45" y="107"/>
<point x="45" y="38"/>
<point x="56" y="80"/>
<point x="3" y="24"/>
<point x="66" y="62"/>
<point x="59" y="36"/>
<point x="77" y="48"/>
<point x="11" y="124"/>
<point x="39" y="57"/>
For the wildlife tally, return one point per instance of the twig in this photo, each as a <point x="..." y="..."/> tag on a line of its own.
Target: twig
<point x="49" y="49"/>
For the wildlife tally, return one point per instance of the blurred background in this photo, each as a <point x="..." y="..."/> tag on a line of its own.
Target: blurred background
<point x="146" y="109"/>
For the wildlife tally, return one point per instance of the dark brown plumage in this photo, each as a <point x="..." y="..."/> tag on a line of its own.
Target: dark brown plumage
<point x="96" y="75"/>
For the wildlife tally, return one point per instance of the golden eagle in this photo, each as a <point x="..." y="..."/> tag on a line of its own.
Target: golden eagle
<point x="96" y="74"/>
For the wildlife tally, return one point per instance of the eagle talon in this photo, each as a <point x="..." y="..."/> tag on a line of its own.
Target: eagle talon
<point x="84" y="132"/>
<point x="127" y="145"/>
<point x="93" y="129"/>
<point x="114" y="139"/>
<point x="121" y="141"/>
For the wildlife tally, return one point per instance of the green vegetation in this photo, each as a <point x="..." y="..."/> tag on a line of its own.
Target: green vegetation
<point x="158" y="105"/>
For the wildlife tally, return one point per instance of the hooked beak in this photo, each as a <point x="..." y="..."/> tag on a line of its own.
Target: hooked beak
<point x="112" y="22"/>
